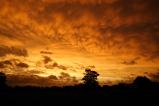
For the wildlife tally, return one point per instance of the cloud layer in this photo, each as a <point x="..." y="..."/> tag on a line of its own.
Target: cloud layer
<point x="94" y="32"/>
<point x="34" y="80"/>
<point x="94" y="24"/>
<point x="5" y="50"/>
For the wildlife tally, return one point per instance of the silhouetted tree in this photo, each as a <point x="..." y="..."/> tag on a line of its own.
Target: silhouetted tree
<point x="90" y="78"/>
<point x="2" y="80"/>
<point x="142" y="82"/>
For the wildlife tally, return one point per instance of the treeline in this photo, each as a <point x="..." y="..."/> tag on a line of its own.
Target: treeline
<point x="142" y="91"/>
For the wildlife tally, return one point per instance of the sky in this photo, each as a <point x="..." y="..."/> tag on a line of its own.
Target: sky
<point x="52" y="42"/>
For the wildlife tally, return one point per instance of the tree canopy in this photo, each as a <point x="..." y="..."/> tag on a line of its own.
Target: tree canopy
<point x="90" y="78"/>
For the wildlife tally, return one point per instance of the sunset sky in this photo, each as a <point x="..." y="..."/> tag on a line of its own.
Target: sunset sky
<point x="52" y="42"/>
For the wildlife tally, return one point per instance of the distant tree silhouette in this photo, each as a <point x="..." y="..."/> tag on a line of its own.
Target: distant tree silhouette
<point x="90" y="78"/>
<point x="142" y="82"/>
<point x="2" y="80"/>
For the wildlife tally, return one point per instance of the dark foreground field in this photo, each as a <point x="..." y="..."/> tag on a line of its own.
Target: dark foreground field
<point x="139" y="92"/>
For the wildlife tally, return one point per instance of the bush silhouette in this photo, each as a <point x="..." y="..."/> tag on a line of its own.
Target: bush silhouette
<point x="90" y="78"/>
<point x="142" y="82"/>
<point x="2" y="80"/>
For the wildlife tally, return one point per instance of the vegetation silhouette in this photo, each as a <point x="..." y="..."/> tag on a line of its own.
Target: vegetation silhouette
<point x="142" y="82"/>
<point x="90" y="78"/>
<point x="2" y="80"/>
<point x="142" y="91"/>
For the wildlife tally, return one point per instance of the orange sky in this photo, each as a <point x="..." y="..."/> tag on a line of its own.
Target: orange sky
<point x="53" y="41"/>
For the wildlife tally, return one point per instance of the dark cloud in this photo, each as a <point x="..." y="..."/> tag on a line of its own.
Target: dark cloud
<point x="56" y="65"/>
<point x="50" y="64"/>
<point x="34" y="72"/>
<point x="9" y="63"/>
<point x="13" y="63"/>
<point x="91" y="66"/>
<point x="66" y="77"/>
<point x="62" y="67"/>
<point x="4" y="64"/>
<point x="47" y="59"/>
<point x="97" y="24"/>
<point x="53" y="77"/>
<point x="5" y="50"/>
<point x="30" y="80"/>
<point x="46" y="52"/>
<point x="22" y="65"/>
<point x="131" y="62"/>
<point x="154" y="76"/>
<point x="16" y="31"/>
<point x="83" y="67"/>
<point x="35" y="80"/>
<point x="75" y="9"/>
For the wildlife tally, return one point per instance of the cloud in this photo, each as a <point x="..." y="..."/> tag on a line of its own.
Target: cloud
<point x="66" y="77"/>
<point x="55" y="65"/>
<point x="131" y="62"/>
<point x="91" y="66"/>
<point x="22" y="65"/>
<point x="154" y="76"/>
<point x="5" y="50"/>
<point x="30" y="80"/>
<point x="46" y="52"/>
<point x="83" y="67"/>
<point x="62" y="67"/>
<point x="47" y="59"/>
<point x="35" y="80"/>
<point x="31" y="72"/>
<point x="117" y="29"/>
<point x="94" y="25"/>
<point x="5" y="63"/>
<point x="13" y="64"/>
<point x="53" y="77"/>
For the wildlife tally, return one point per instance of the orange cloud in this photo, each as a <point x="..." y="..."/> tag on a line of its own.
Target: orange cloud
<point x="5" y="50"/>
<point x="103" y="33"/>
<point x="34" y="80"/>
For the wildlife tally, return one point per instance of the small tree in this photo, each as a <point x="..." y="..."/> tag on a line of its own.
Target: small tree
<point x="90" y="78"/>
<point x="2" y="80"/>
